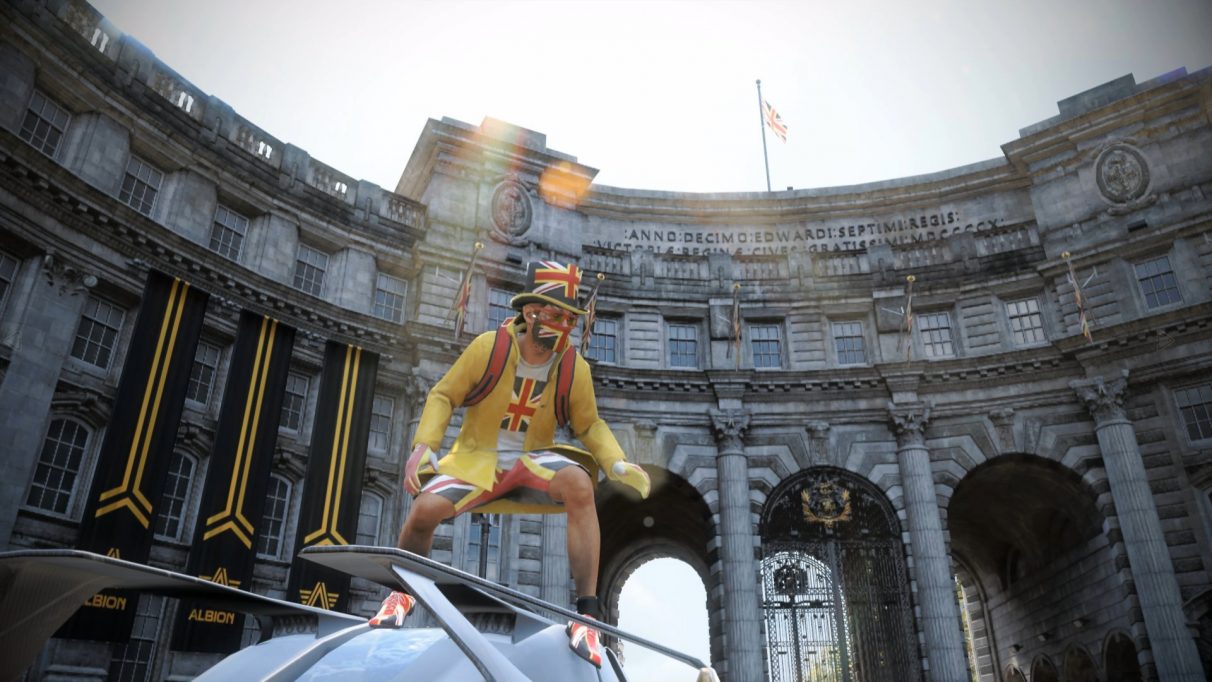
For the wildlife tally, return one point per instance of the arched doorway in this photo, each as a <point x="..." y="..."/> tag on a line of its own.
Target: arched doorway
<point x="673" y="522"/>
<point x="835" y="592"/>
<point x="1120" y="659"/>
<point x="1079" y="667"/>
<point x="1043" y="671"/>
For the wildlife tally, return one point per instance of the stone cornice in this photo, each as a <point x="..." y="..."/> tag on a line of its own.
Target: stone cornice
<point x="70" y="200"/>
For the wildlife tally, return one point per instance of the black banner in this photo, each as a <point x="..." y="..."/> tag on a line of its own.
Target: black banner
<point x="332" y="492"/>
<point x="233" y="499"/>
<point x="138" y="446"/>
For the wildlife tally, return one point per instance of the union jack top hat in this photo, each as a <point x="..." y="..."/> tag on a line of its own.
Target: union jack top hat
<point x="551" y="283"/>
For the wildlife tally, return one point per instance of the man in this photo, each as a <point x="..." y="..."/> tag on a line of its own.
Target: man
<point x="516" y="389"/>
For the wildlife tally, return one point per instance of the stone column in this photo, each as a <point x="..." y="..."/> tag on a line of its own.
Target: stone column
<point x="742" y="613"/>
<point x="555" y="575"/>
<point x="940" y="620"/>
<point x="47" y="330"/>
<point x="1174" y="651"/>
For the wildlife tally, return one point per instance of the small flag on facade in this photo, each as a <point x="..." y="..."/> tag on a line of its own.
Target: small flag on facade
<point x="591" y="315"/>
<point x="463" y="298"/>
<point x="907" y="317"/>
<point x="736" y="323"/>
<point x="1083" y="319"/>
<point x="774" y="120"/>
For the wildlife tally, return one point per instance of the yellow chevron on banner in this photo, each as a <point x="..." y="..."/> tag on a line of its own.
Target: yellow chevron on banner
<point x="219" y="577"/>
<point x="319" y="596"/>
<point x="340" y="452"/>
<point x="232" y="517"/>
<point x="130" y="491"/>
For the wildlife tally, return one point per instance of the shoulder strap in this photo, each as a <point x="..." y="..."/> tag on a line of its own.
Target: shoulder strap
<point x="501" y="347"/>
<point x="564" y="375"/>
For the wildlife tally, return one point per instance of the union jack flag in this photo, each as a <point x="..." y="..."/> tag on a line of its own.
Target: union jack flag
<point x="550" y="276"/>
<point x="774" y="120"/>
<point x="592" y="309"/>
<point x="1083" y="318"/>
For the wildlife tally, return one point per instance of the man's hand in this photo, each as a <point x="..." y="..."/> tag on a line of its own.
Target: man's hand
<point x="632" y="475"/>
<point x="420" y="455"/>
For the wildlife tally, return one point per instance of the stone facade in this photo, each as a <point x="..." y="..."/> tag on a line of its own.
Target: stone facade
<point x="1061" y="484"/>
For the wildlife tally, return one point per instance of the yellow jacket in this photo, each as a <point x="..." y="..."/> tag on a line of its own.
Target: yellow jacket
<point x="473" y="457"/>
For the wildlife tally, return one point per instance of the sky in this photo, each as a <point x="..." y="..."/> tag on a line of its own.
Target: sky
<point x="661" y="95"/>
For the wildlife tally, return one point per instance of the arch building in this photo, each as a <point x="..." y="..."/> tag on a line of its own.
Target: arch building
<point x="872" y="417"/>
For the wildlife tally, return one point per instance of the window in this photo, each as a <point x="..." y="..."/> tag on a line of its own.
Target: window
<point x="44" y="124"/>
<point x="309" y="270"/>
<point x="202" y="376"/>
<point x="1025" y="322"/>
<point x="380" y="423"/>
<point x="227" y="232"/>
<point x="131" y="661"/>
<point x="848" y="341"/>
<point x="1157" y="282"/>
<point x="683" y="345"/>
<point x="499" y="309"/>
<point x="935" y="330"/>
<point x="294" y="401"/>
<point x="604" y="342"/>
<point x="8" y="273"/>
<point x="141" y="185"/>
<point x="98" y="332"/>
<point x="273" y="524"/>
<point x="1195" y="404"/>
<point x="389" y="298"/>
<point x="58" y="466"/>
<point x="488" y="566"/>
<point x="764" y="342"/>
<point x="369" y="517"/>
<point x="176" y="497"/>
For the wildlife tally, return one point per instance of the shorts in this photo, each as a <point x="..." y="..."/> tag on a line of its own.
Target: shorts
<point x="521" y="478"/>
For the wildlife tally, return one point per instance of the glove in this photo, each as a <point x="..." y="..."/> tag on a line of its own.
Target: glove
<point x="632" y="475"/>
<point x="421" y="455"/>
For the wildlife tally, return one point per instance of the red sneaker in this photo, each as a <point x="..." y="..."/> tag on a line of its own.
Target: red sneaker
<point x="391" y="613"/>
<point x="585" y="642"/>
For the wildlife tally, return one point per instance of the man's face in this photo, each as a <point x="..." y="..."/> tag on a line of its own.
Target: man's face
<point x="549" y="326"/>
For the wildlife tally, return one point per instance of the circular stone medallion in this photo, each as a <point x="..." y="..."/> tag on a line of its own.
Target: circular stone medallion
<point x="1122" y="174"/>
<point x="511" y="211"/>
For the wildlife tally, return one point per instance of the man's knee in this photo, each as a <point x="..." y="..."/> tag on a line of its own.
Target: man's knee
<point x="428" y="510"/>
<point x="575" y="487"/>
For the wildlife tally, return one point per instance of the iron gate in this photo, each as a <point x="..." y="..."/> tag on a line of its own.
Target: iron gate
<point x="834" y="586"/>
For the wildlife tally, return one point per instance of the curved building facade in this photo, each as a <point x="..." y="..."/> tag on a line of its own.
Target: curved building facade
<point x="948" y="427"/>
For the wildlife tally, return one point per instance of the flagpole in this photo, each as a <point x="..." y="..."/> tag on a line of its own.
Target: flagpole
<point x="762" y="124"/>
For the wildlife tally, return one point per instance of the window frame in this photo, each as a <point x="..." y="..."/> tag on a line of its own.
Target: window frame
<point x="378" y="308"/>
<point x="697" y="355"/>
<point x="1200" y="387"/>
<point x="591" y="353"/>
<point x="298" y="429"/>
<point x="214" y="377"/>
<point x="834" y="324"/>
<point x="920" y="328"/>
<point x="751" y="327"/>
<point x="375" y="402"/>
<point x="299" y="281"/>
<point x="136" y="201"/>
<point x="169" y="498"/>
<point x="117" y="337"/>
<point x="73" y="492"/>
<point x="267" y="519"/>
<point x="49" y="123"/>
<point x="220" y="228"/>
<point x="1038" y="312"/>
<point x="1174" y="284"/>
<point x="493" y="305"/>
<point x="6" y="295"/>
<point x="363" y="533"/>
